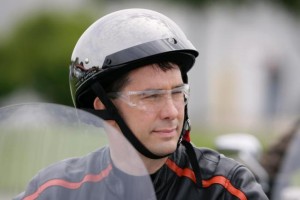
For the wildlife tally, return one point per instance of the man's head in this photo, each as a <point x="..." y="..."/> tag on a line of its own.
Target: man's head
<point x="151" y="100"/>
<point x="132" y="50"/>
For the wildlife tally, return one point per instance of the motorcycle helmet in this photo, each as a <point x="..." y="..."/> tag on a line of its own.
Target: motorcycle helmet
<point x="120" y="42"/>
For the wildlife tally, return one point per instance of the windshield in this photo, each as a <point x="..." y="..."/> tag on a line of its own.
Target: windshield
<point x="88" y="157"/>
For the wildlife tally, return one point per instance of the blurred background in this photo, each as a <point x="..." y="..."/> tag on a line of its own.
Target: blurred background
<point x="246" y="78"/>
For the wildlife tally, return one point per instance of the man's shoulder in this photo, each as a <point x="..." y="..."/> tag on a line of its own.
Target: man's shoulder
<point x="207" y="154"/>
<point x="67" y="174"/>
<point x="218" y="170"/>
<point x="212" y="162"/>
<point x="74" y="167"/>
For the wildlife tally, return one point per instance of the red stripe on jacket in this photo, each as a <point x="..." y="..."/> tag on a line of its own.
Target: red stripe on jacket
<point x="221" y="180"/>
<point x="70" y="185"/>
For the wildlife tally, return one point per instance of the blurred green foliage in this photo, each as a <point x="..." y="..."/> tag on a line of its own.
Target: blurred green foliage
<point x="36" y="54"/>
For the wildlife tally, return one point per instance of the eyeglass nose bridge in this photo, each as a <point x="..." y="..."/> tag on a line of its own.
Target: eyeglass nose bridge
<point x="169" y="95"/>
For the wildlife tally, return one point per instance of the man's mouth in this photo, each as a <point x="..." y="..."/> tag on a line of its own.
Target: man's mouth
<point x="166" y="132"/>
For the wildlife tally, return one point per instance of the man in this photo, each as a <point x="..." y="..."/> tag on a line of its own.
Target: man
<point x="130" y="68"/>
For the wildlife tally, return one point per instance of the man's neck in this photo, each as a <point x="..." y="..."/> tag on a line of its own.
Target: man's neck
<point x="153" y="165"/>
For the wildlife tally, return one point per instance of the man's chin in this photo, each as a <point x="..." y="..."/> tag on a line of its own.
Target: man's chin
<point x="164" y="150"/>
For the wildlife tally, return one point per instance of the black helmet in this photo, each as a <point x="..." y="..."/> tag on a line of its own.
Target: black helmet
<point x="118" y="43"/>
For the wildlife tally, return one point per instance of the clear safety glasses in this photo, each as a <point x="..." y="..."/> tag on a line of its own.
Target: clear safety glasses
<point x="154" y="100"/>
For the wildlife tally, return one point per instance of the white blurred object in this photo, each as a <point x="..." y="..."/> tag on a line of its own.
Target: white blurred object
<point x="291" y="193"/>
<point x="246" y="149"/>
<point x="239" y="142"/>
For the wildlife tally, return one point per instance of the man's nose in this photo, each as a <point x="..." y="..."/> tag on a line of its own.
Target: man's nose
<point x="169" y="109"/>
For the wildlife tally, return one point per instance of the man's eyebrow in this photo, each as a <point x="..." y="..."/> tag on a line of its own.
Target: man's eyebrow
<point x="179" y="85"/>
<point x="154" y="89"/>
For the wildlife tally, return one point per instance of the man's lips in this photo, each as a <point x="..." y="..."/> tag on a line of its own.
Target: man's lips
<point x="166" y="132"/>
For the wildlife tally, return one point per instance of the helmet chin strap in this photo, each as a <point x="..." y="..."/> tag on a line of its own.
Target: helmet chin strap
<point x="114" y="114"/>
<point x="185" y="141"/>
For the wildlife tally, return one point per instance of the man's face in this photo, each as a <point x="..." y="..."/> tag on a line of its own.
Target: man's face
<point x="158" y="129"/>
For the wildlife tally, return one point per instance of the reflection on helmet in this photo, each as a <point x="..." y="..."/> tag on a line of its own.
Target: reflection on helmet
<point x="122" y="40"/>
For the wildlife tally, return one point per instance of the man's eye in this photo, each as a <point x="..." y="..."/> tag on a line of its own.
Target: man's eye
<point x="150" y="96"/>
<point x="177" y="92"/>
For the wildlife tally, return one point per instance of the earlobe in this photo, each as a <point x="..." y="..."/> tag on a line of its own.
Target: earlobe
<point x="98" y="105"/>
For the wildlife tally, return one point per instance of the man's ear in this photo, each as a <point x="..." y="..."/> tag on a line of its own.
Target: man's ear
<point x="98" y="105"/>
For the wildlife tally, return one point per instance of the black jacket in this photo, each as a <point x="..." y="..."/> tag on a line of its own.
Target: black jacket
<point x="94" y="177"/>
